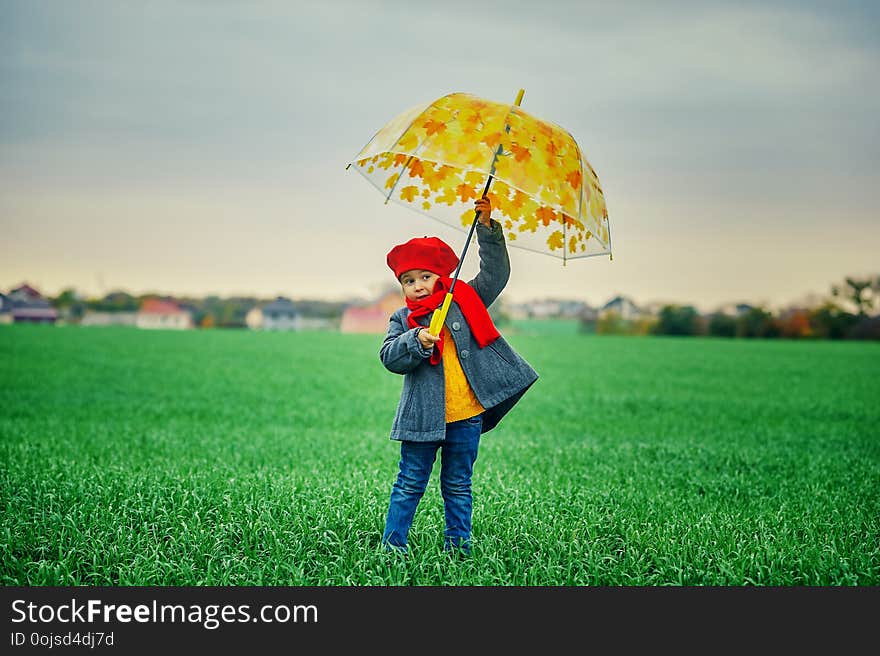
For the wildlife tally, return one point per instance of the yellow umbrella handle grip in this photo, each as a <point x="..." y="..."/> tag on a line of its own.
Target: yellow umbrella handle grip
<point x="439" y="316"/>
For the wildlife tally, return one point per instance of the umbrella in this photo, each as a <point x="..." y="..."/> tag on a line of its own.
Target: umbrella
<point x="437" y="158"/>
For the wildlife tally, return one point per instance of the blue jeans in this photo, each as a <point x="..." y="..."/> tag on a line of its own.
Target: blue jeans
<point x="458" y="452"/>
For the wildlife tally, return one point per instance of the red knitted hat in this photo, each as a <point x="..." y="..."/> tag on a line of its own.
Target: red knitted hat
<point x="429" y="253"/>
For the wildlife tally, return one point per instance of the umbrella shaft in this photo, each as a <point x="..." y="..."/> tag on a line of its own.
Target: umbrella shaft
<point x="519" y="97"/>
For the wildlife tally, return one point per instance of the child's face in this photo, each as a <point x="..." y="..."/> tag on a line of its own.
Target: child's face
<point x="418" y="283"/>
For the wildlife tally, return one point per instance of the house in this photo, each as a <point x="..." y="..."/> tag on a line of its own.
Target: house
<point x="623" y="307"/>
<point x="94" y="318"/>
<point x="159" y="313"/>
<point x="372" y="318"/>
<point x="280" y="314"/>
<point x="550" y="308"/>
<point x="29" y="306"/>
<point x="5" y="309"/>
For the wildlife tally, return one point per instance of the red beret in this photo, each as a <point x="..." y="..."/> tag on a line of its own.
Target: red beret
<point x="429" y="253"/>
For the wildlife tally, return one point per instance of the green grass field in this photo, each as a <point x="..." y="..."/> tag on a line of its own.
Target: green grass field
<point x="133" y="457"/>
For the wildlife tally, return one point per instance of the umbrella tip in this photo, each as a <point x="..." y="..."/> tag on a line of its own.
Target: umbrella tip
<point x="347" y="166"/>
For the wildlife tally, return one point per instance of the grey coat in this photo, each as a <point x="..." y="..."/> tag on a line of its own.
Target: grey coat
<point x="497" y="374"/>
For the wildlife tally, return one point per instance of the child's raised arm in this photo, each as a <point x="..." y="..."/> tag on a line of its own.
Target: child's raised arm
<point x="494" y="260"/>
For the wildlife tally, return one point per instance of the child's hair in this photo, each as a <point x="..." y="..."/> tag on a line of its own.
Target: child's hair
<point x="428" y="253"/>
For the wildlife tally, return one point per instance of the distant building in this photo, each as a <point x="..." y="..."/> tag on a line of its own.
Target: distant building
<point x="158" y="313"/>
<point x="623" y="307"/>
<point x="29" y="306"/>
<point x="544" y="309"/>
<point x="588" y="313"/>
<point x="372" y="318"/>
<point x="5" y="309"/>
<point x="550" y="309"/>
<point x="282" y="314"/>
<point x="94" y="318"/>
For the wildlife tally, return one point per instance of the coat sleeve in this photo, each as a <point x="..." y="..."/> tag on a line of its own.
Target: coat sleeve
<point x="494" y="263"/>
<point x="401" y="351"/>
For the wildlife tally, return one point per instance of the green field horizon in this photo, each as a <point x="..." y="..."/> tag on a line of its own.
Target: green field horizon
<point x="232" y="457"/>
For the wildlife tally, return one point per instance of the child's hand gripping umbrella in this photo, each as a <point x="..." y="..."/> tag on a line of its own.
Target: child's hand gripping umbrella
<point x="434" y="158"/>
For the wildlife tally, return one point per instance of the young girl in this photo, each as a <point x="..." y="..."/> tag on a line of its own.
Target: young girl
<point x="457" y="385"/>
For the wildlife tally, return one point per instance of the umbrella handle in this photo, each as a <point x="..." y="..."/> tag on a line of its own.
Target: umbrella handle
<point x="439" y="316"/>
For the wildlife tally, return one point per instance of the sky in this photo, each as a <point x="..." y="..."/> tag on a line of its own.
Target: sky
<point x="194" y="148"/>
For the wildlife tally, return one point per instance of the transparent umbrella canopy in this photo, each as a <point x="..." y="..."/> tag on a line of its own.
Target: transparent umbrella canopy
<point x="437" y="158"/>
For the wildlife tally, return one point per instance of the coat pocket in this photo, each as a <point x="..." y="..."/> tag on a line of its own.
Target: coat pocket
<point x="499" y="352"/>
<point x="406" y="401"/>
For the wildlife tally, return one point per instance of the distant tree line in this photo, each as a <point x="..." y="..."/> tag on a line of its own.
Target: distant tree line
<point x="850" y="313"/>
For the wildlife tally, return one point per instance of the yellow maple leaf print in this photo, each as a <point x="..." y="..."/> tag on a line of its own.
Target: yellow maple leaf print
<point x="448" y="196"/>
<point x="549" y="196"/>
<point x="444" y="172"/>
<point x="390" y="182"/>
<point x="520" y="153"/>
<point x="470" y="119"/>
<point x="492" y="140"/>
<point x="545" y="215"/>
<point x="567" y="201"/>
<point x="409" y="193"/>
<point x="499" y="202"/>
<point x="465" y="192"/>
<point x="502" y="166"/>
<point x="416" y="168"/>
<point x="433" y="127"/>
<point x="556" y="240"/>
<point x="408" y="141"/>
<point x="385" y="160"/>
<point x="530" y="223"/>
<point x="474" y="178"/>
<point x="519" y="199"/>
<point x="429" y="176"/>
<point x="501" y="189"/>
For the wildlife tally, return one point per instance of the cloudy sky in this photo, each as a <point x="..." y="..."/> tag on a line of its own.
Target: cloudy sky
<point x="200" y="147"/>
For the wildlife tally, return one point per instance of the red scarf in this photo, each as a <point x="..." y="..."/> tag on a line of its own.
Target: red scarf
<point x="469" y="303"/>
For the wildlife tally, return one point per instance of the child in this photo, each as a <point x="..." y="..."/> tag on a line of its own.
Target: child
<point x="456" y="385"/>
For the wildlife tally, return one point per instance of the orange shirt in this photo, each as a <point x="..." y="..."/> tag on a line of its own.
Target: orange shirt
<point x="461" y="402"/>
